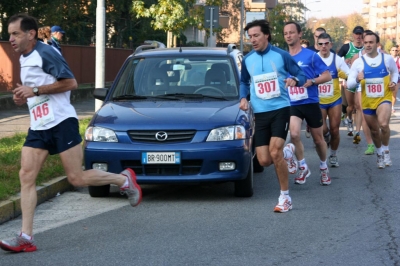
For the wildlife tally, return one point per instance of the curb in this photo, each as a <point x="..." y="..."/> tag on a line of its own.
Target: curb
<point x="11" y="208"/>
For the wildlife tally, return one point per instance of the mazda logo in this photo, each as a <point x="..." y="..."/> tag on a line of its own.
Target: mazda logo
<point x="161" y="136"/>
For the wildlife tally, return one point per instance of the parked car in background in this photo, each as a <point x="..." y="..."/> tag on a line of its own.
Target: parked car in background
<point x="172" y="115"/>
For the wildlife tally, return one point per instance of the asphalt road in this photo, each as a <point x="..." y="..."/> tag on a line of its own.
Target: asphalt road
<point x="354" y="221"/>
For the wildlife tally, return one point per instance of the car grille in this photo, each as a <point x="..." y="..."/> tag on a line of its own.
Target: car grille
<point x="150" y="135"/>
<point x="187" y="167"/>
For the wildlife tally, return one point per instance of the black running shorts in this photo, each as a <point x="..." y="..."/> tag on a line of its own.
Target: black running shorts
<point x="311" y="112"/>
<point x="56" y="139"/>
<point x="271" y="124"/>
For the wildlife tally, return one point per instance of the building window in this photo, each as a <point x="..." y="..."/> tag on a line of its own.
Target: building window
<point x="258" y="1"/>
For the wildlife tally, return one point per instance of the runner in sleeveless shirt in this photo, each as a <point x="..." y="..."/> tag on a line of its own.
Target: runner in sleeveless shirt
<point x="348" y="51"/>
<point x="360" y="120"/>
<point x="394" y="53"/>
<point x="378" y="75"/>
<point x="330" y="97"/>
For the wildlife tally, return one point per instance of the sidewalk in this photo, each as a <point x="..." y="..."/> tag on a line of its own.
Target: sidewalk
<point x="16" y="120"/>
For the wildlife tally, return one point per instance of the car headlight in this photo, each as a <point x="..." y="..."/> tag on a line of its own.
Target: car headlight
<point x="227" y="133"/>
<point x="100" y="134"/>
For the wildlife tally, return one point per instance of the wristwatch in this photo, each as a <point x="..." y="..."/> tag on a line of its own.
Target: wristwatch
<point x="313" y="81"/>
<point x="295" y="79"/>
<point x="35" y="91"/>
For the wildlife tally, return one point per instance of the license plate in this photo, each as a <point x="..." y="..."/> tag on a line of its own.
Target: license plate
<point x="161" y="157"/>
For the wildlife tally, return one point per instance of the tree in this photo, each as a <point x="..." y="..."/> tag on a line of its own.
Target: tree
<point x="388" y="45"/>
<point x="291" y="10"/>
<point x="354" y="20"/>
<point x="167" y="15"/>
<point x="337" y="29"/>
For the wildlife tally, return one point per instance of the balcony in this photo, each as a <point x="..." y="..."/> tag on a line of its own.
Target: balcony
<point x="387" y="3"/>
<point x="391" y="36"/>
<point x="365" y="10"/>
<point x="388" y="25"/>
<point x="388" y="14"/>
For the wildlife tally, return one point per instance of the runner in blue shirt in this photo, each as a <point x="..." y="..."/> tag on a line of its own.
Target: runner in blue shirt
<point x="304" y="102"/>
<point x="266" y="73"/>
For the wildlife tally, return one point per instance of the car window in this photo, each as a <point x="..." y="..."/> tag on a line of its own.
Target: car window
<point x="168" y="75"/>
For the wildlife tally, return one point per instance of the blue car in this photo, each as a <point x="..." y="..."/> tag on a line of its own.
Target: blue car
<point x="172" y="115"/>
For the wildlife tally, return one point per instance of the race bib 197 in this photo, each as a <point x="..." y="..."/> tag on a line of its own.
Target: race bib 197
<point x="325" y="90"/>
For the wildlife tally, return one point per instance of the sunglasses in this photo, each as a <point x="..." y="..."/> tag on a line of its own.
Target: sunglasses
<point x="323" y="43"/>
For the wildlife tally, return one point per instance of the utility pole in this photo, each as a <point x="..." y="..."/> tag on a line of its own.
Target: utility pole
<point x="211" y="20"/>
<point x="100" y="49"/>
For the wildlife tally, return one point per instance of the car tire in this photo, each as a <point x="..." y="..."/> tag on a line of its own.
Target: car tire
<point x="244" y="187"/>
<point x="99" y="192"/>
<point x="257" y="168"/>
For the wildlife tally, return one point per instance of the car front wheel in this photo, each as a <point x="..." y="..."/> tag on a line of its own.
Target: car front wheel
<point x="244" y="187"/>
<point x="99" y="192"/>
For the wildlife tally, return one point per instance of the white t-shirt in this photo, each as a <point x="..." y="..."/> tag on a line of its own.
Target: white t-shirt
<point x="45" y="66"/>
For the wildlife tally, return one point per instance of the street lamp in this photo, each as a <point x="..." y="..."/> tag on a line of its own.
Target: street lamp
<point x="305" y="5"/>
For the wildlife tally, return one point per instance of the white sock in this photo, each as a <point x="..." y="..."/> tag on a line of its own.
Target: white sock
<point x="287" y="153"/>
<point x="322" y="165"/>
<point x="26" y="236"/>
<point x="379" y="151"/>
<point x="302" y="163"/>
<point x="126" y="184"/>
<point x="284" y="192"/>
<point x="333" y="152"/>
<point x="385" y="148"/>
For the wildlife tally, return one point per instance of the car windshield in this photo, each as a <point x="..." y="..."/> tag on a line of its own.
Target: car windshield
<point x="156" y="76"/>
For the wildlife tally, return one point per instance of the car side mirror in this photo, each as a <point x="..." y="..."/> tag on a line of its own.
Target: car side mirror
<point x="100" y="93"/>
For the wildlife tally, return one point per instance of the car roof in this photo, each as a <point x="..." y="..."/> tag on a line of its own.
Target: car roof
<point x="179" y="51"/>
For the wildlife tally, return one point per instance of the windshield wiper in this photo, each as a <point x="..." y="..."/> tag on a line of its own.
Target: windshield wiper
<point x="198" y="96"/>
<point x="129" y="97"/>
<point x="195" y="96"/>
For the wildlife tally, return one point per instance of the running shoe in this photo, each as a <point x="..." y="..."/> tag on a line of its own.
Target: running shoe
<point x="284" y="204"/>
<point x="308" y="133"/>
<point x="344" y="119"/>
<point x="386" y="158"/>
<point x="133" y="190"/>
<point x="325" y="178"/>
<point x="370" y="149"/>
<point x="327" y="138"/>
<point x="302" y="176"/>
<point x="349" y="127"/>
<point x="18" y="244"/>
<point x="380" y="161"/>
<point x="291" y="162"/>
<point x="357" y="138"/>
<point x="333" y="161"/>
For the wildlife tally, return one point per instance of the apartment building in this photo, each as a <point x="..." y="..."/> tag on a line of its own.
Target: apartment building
<point x="382" y="17"/>
<point x="193" y="34"/>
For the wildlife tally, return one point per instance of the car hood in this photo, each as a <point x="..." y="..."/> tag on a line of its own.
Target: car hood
<point x="167" y="114"/>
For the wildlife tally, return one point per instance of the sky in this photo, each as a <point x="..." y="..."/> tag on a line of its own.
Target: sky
<point x="332" y="8"/>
